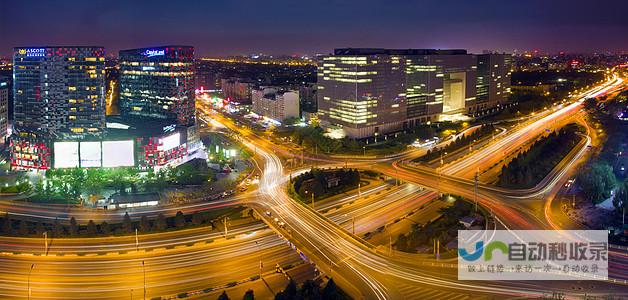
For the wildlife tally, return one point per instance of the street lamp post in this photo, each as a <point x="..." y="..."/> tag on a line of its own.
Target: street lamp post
<point x="144" y="270"/>
<point x="260" y="259"/>
<point x="353" y="224"/>
<point x="476" y="191"/>
<point x="29" y="281"/>
<point x="45" y="243"/>
<point x="359" y="191"/>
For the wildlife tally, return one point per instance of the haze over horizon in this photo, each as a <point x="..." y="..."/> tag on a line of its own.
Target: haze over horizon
<point x="283" y="27"/>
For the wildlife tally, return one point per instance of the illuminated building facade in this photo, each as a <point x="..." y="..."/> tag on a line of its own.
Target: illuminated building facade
<point x="158" y="83"/>
<point x="362" y="92"/>
<point x="493" y="81"/>
<point x="4" y="109"/>
<point x="276" y="103"/>
<point x="238" y="90"/>
<point x="369" y="92"/>
<point x="58" y="93"/>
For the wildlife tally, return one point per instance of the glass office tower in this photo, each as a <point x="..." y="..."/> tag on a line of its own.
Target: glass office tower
<point x="158" y="83"/>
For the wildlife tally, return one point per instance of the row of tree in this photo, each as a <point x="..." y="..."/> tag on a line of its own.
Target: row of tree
<point x="22" y="228"/>
<point x="69" y="184"/>
<point x="310" y="290"/>
<point x="443" y="229"/>
<point x="532" y="165"/>
<point x="460" y="142"/>
<point x="317" y="181"/>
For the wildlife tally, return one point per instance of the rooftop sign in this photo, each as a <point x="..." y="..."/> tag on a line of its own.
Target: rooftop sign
<point x="153" y="52"/>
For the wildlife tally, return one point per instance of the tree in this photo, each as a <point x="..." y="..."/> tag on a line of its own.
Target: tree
<point x="620" y="201"/>
<point x="57" y="229"/>
<point x="330" y="292"/>
<point x="105" y="228"/>
<point x="73" y="227"/>
<point x="127" y="224"/>
<point x="6" y="225"/>
<point x="144" y="224"/>
<point x="310" y="290"/>
<point x="249" y="295"/>
<point x="223" y="296"/>
<point x="597" y="183"/>
<point x="161" y="223"/>
<point x="402" y="243"/>
<point x="179" y="220"/>
<point x="23" y="228"/>
<point x="91" y="228"/>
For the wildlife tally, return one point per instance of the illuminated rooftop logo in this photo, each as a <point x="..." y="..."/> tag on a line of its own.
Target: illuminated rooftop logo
<point x="152" y="52"/>
<point x="32" y="52"/>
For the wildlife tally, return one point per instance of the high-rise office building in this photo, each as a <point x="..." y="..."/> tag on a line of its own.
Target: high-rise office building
<point x="493" y="81"/>
<point x="158" y="83"/>
<point x="59" y="91"/>
<point x="369" y="92"/>
<point x="58" y="94"/>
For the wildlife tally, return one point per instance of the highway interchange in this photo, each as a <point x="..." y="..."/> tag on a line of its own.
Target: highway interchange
<point x="195" y="259"/>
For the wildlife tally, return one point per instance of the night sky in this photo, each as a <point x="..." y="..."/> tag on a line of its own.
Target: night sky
<point x="223" y="27"/>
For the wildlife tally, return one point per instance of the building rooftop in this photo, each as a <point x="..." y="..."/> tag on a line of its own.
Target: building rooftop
<point x="375" y="51"/>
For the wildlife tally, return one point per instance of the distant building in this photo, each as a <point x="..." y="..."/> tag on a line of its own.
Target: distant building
<point x="307" y="95"/>
<point x="206" y="76"/>
<point x="158" y="83"/>
<point x="493" y="81"/>
<point x="370" y="92"/>
<point x="275" y="103"/>
<point x="4" y="109"/>
<point x="58" y="93"/>
<point x="237" y="90"/>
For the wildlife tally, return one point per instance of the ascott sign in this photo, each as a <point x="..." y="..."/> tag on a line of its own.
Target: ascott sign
<point x="154" y="52"/>
<point x="32" y="52"/>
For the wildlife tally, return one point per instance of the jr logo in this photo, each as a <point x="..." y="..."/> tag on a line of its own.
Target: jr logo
<point x="479" y="248"/>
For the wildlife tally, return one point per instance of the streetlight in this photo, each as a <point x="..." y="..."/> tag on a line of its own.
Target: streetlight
<point x="364" y="149"/>
<point x="144" y="270"/>
<point x="259" y="247"/>
<point x="29" y="280"/>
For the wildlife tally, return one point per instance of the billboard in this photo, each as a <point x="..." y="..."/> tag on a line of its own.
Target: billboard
<point x="118" y="154"/>
<point x="90" y="154"/>
<point x="170" y="142"/>
<point x="66" y="154"/>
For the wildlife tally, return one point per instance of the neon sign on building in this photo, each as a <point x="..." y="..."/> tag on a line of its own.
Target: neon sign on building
<point x="33" y="52"/>
<point x="152" y="52"/>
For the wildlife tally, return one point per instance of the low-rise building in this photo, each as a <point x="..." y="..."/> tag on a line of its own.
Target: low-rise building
<point x="275" y="103"/>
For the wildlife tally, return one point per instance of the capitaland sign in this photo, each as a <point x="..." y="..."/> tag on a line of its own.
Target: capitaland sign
<point x="533" y="255"/>
<point x="32" y="52"/>
<point x="154" y="52"/>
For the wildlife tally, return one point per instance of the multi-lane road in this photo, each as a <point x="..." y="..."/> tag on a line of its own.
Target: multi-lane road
<point x="179" y="261"/>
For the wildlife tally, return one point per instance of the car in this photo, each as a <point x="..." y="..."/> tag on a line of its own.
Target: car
<point x="281" y="224"/>
<point x="276" y="219"/>
<point x="268" y="213"/>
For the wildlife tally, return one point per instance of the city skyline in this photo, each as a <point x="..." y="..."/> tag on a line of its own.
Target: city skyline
<point x="245" y="27"/>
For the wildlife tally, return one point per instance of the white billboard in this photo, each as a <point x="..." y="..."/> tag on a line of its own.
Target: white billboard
<point x="118" y="154"/>
<point x="90" y="154"/>
<point x="170" y="142"/>
<point x="66" y="154"/>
